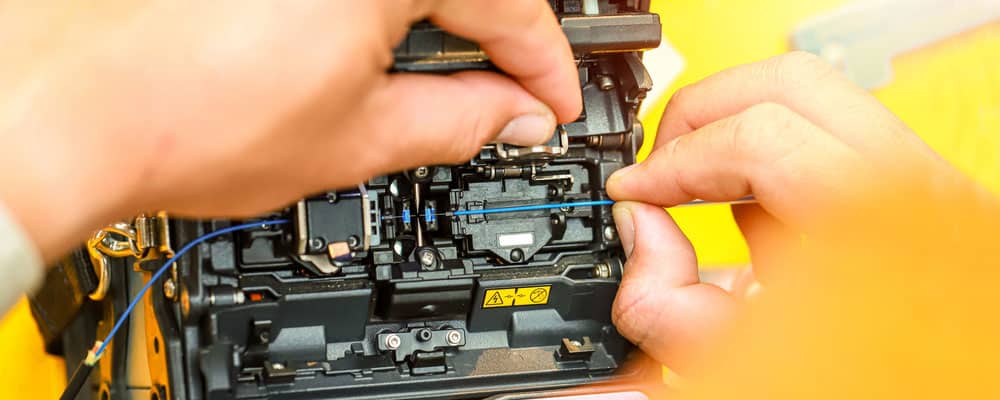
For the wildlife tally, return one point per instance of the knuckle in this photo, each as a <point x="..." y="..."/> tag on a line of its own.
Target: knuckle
<point x="800" y="59"/>
<point x="803" y="63"/>
<point x="465" y="154"/>
<point x="768" y="134"/>
<point x="759" y="128"/>
<point x="457" y="152"/>
<point x="680" y="97"/>
<point x="465" y="143"/>
<point x="671" y="149"/>
<point x="527" y="12"/>
<point x="517" y="16"/>
<point x="630" y="313"/>
<point x="766" y="112"/>
<point x="799" y="69"/>
<point x="687" y="180"/>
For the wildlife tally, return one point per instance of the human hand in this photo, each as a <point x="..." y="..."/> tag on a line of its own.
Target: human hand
<point x="814" y="150"/>
<point x="232" y="108"/>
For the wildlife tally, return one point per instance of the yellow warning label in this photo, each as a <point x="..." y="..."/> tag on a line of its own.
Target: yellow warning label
<point x="499" y="298"/>
<point x="525" y="296"/>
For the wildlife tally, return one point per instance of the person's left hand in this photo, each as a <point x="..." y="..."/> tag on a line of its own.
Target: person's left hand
<point x="232" y="108"/>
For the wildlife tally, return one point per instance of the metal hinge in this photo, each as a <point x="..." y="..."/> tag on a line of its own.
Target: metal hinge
<point x="504" y="152"/>
<point x="146" y="238"/>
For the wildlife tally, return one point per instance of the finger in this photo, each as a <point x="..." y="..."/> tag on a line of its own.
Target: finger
<point x="524" y="39"/>
<point x="430" y="119"/>
<point x="800" y="81"/>
<point x="662" y="306"/>
<point x="773" y="245"/>
<point x="791" y="166"/>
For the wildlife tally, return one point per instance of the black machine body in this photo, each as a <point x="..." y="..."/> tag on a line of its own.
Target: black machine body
<point x="380" y="291"/>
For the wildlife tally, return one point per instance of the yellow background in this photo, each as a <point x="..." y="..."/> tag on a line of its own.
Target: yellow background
<point x="949" y="93"/>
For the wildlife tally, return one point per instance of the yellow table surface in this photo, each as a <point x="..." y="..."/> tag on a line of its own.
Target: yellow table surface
<point x="948" y="92"/>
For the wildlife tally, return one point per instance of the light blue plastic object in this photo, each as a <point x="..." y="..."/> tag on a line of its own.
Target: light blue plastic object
<point x="863" y="37"/>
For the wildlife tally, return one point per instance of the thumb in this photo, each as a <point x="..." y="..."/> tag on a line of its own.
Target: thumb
<point x="434" y="119"/>
<point x="662" y="306"/>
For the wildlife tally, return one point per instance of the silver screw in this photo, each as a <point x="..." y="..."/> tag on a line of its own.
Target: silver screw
<point x="517" y="255"/>
<point x="169" y="289"/>
<point x="394" y="188"/>
<point x="602" y="271"/>
<point x="605" y="82"/>
<point x="353" y="241"/>
<point x="427" y="258"/>
<point x="278" y="366"/>
<point x="609" y="233"/>
<point x="454" y="337"/>
<point x="421" y="172"/>
<point x="393" y="341"/>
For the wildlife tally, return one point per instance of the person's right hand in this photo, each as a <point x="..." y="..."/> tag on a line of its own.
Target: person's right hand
<point x="793" y="132"/>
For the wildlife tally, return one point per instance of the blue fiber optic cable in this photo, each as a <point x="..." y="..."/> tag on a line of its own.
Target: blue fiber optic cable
<point x="533" y="207"/>
<point x="128" y="311"/>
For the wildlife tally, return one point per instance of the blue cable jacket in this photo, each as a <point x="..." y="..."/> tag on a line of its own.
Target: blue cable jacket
<point x="166" y="266"/>
<point x="534" y="207"/>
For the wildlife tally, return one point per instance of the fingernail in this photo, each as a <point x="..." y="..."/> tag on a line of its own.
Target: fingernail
<point x="622" y="172"/>
<point x="616" y="179"/>
<point x="626" y="227"/>
<point x="528" y="129"/>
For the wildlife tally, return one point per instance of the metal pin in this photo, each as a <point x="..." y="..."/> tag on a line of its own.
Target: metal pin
<point x="416" y="206"/>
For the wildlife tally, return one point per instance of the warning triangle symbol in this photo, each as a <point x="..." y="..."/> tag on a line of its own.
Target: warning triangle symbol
<point x="495" y="300"/>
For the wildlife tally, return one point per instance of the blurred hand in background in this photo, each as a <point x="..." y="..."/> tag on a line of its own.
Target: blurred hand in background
<point x="855" y="213"/>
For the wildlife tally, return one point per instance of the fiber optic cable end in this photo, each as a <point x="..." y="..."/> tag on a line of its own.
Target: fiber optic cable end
<point x="92" y="356"/>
